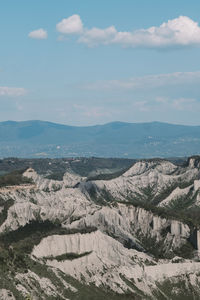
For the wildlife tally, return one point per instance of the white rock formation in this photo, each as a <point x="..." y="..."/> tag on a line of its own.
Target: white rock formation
<point x="106" y="259"/>
<point x="198" y="240"/>
<point x="109" y="262"/>
<point x="6" y="295"/>
<point x="143" y="175"/>
<point x="179" y="229"/>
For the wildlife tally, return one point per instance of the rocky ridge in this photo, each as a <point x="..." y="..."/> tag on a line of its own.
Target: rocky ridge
<point x="118" y="236"/>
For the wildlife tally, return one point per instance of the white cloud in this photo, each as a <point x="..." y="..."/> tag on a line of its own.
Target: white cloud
<point x="147" y="82"/>
<point x="181" y="31"/>
<point x="39" y="34"/>
<point x="141" y="106"/>
<point x="186" y="104"/>
<point x="178" y="104"/>
<point x="92" y="112"/>
<point x="96" y="36"/>
<point x="71" y="25"/>
<point x="10" y="91"/>
<point x="166" y="104"/>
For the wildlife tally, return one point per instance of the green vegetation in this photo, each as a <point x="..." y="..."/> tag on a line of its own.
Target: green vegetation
<point x="87" y="166"/>
<point x="181" y="289"/>
<point x="84" y="292"/>
<point x="185" y="251"/>
<point x="152" y="246"/>
<point x="15" y="248"/>
<point x="148" y="194"/>
<point x="56" y="167"/>
<point x="14" y="178"/>
<point x="108" y="176"/>
<point x="91" y="292"/>
<point x="100" y="197"/>
<point x="25" y="238"/>
<point x="138" y="293"/>
<point x="4" y="213"/>
<point x="56" y="176"/>
<point x="183" y="211"/>
<point x="16" y="245"/>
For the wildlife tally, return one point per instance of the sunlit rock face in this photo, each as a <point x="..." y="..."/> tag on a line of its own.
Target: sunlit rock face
<point x="104" y="253"/>
<point x="115" y="233"/>
<point x="6" y="295"/>
<point x="198" y="240"/>
<point x="179" y="229"/>
<point x="147" y="181"/>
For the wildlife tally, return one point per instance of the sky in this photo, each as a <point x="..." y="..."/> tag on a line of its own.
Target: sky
<point x="92" y="62"/>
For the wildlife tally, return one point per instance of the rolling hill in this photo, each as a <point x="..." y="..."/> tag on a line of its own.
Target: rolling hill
<point x="117" y="139"/>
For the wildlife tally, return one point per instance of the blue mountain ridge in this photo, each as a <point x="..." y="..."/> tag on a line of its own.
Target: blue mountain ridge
<point x="117" y="139"/>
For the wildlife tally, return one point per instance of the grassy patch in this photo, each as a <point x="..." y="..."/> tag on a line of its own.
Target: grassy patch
<point x="56" y="176"/>
<point x="177" y="289"/>
<point x="14" y="178"/>
<point x="4" y="213"/>
<point x="185" y="251"/>
<point x="190" y="216"/>
<point x="15" y="245"/>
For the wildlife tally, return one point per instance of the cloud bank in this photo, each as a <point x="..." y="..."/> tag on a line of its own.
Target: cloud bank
<point x="10" y="91"/>
<point x="167" y="104"/>
<point x="181" y="31"/>
<point x="39" y="34"/>
<point x="147" y="82"/>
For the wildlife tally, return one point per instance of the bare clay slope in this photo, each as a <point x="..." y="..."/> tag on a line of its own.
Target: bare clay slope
<point x="136" y="235"/>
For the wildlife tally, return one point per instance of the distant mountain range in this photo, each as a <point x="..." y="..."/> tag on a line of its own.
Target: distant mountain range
<point x="116" y="139"/>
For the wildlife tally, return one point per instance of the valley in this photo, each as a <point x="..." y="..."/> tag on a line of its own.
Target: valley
<point x="116" y="229"/>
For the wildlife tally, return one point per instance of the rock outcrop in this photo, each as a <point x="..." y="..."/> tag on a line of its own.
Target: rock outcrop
<point x="114" y="233"/>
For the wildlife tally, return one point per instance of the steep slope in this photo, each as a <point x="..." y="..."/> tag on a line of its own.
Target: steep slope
<point x="149" y="182"/>
<point x="130" y="236"/>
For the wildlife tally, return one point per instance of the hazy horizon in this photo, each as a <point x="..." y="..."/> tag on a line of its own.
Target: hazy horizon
<point x="99" y="124"/>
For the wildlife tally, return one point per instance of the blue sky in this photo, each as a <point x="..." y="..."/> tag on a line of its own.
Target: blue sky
<point x="91" y="62"/>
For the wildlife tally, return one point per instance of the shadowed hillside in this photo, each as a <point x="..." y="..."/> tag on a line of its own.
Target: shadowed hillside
<point x="117" y="139"/>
